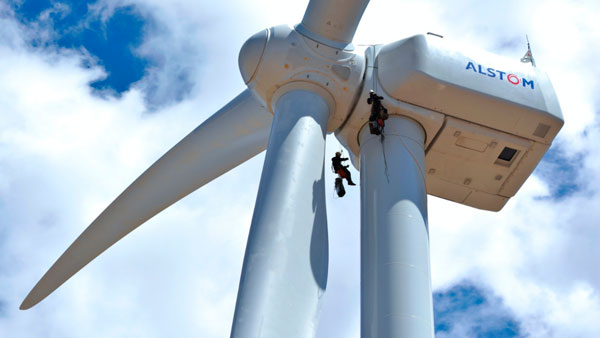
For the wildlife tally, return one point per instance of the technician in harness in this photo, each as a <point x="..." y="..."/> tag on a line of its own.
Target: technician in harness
<point x="378" y="113"/>
<point x="341" y="170"/>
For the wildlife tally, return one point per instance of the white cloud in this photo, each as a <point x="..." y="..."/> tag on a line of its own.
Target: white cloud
<point x="65" y="154"/>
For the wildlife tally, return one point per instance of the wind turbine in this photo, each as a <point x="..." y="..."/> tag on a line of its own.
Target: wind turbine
<point x="470" y="130"/>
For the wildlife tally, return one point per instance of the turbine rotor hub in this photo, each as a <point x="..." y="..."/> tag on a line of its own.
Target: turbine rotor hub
<point x="282" y="59"/>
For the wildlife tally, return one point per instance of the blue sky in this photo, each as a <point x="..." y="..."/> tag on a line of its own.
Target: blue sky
<point x="466" y="310"/>
<point x="109" y="43"/>
<point x="92" y="93"/>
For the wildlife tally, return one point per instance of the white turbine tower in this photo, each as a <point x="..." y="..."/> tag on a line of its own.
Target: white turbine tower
<point x="468" y="130"/>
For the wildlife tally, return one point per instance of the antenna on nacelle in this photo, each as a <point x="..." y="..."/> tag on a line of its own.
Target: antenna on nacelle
<point x="434" y="34"/>
<point x="528" y="56"/>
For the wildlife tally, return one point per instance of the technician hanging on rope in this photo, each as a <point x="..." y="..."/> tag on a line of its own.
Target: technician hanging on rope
<point x="378" y="113"/>
<point x="342" y="171"/>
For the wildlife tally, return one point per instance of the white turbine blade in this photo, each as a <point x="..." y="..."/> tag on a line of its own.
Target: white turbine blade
<point x="285" y="265"/>
<point x="335" y="20"/>
<point x="231" y="136"/>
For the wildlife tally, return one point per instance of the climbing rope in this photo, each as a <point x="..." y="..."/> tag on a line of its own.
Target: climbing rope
<point x="422" y="170"/>
<point x="387" y="176"/>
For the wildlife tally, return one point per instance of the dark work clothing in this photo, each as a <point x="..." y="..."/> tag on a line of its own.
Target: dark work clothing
<point x="378" y="114"/>
<point x="337" y="162"/>
<point x="340" y="169"/>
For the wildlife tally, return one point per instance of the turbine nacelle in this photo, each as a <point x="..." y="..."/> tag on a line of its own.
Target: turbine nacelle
<point x="488" y="120"/>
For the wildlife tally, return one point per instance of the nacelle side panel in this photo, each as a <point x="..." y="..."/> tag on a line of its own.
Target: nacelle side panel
<point x="486" y="90"/>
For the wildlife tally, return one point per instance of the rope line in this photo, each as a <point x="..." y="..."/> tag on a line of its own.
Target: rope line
<point x="422" y="170"/>
<point x="387" y="176"/>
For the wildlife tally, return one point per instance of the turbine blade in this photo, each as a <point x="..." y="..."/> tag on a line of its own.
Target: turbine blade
<point x="286" y="261"/>
<point x="231" y="136"/>
<point x="334" y="20"/>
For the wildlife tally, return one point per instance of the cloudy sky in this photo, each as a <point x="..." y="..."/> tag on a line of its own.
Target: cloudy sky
<point x="92" y="93"/>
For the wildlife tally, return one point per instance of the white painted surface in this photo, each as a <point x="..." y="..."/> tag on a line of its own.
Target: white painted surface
<point x="334" y="20"/>
<point x="285" y="265"/>
<point x="395" y="270"/>
<point x="231" y="136"/>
